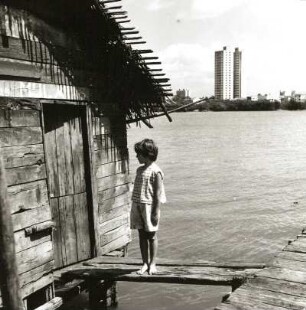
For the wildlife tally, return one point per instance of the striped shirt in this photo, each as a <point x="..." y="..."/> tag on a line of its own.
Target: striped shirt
<point x="143" y="191"/>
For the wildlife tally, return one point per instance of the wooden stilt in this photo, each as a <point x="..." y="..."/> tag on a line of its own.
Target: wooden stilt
<point x="9" y="281"/>
<point x="102" y="294"/>
<point x="110" y="293"/>
<point x="94" y="295"/>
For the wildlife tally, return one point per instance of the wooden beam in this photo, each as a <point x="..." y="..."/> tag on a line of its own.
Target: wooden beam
<point x="53" y="304"/>
<point x="69" y="290"/>
<point x="129" y="32"/>
<point x="161" y="80"/>
<point x="123" y="21"/>
<point x="177" y="262"/>
<point x="133" y="38"/>
<point x="144" y="51"/>
<point x="163" y="84"/>
<point x="153" y="63"/>
<point x="139" y="42"/>
<point x="114" y="7"/>
<point x="9" y="280"/>
<point x="165" y="274"/>
<point x="119" y="17"/>
<point x="117" y="13"/>
<point x="108" y="1"/>
<point x="155" y="70"/>
<point x="158" y="74"/>
<point x="127" y="28"/>
<point x="39" y="227"/>
<point x="150" y="58"/>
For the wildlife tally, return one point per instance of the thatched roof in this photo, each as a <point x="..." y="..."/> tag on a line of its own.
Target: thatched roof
<point x="129" y="84"/>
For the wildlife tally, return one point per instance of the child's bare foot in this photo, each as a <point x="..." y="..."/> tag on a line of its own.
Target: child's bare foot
<point x="143" y="269"/>
<point x="152" y="269"/>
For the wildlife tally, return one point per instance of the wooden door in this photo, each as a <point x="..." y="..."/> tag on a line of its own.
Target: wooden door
<point x="65" y="138"/>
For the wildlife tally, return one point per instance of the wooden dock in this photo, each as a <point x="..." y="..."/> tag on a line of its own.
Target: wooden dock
<point x="100" y="274"/>
<point x="169" y="271"/>
<point x="280" y="286"/>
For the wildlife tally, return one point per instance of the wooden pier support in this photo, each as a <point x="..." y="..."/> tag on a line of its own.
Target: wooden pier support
<point x="102" y="294"/>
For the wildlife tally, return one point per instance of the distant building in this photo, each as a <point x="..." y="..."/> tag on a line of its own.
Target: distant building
<point x="298" y="97"/>
<point x="237" y="73"/>
<point x="182" y="93"/>
<point x="182" y="97"/>
<point x="227" y="74"/>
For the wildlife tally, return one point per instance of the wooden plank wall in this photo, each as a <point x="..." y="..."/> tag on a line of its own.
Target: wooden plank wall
<point x="39" y="61"/>
<point x="22" y="149"/>
<point x="112" y="182"/>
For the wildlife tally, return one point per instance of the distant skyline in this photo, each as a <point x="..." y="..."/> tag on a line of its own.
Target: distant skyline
<point x="186" y="33"/>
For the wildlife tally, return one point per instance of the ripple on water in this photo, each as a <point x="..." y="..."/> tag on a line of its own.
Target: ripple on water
<point x="232" y="180"/>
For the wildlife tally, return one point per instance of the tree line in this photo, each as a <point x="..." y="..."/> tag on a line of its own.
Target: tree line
<point x="211" y="104"/>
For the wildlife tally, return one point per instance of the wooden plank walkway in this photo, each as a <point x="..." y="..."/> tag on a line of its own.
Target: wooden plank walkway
<point x="169" y="271"/>
<point x="280" y="286"/>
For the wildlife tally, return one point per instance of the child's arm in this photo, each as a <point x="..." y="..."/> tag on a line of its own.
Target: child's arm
<point x="156" y="199"/>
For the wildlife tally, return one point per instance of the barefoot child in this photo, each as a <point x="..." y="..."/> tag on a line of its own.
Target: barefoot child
<point x="147" y="196"/>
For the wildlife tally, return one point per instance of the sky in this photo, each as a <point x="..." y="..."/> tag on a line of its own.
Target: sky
<point x="185" y="34"/>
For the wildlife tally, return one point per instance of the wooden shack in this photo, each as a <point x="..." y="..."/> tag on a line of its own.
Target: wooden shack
<point x="69" y="83"/>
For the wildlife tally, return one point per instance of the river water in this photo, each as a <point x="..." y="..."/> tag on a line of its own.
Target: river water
<point x="236" y="190"/>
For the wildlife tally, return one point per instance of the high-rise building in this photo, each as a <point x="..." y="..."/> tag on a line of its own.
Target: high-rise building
<point x="237" y="73"/>
<point x="227" y="74"/>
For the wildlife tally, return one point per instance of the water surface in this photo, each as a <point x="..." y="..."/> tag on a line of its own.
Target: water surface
<point x="236" y="189"/>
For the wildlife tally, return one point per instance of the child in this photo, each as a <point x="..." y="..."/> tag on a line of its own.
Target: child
<point x="147" y="196"/>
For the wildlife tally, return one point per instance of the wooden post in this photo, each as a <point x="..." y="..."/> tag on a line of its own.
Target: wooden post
<point x="102" y="294"/>
<point x="9" y="281"/>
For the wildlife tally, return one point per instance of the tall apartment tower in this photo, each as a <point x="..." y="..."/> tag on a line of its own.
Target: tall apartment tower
<point x="237" y="73"/>
<point x="227" y="74"/>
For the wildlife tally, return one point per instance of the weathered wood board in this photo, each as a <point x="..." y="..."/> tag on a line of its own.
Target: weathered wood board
<point x="24" y="155"/>
<point x="25" y="174"/>
<point x="28" y="196"/>
<point x="197" y="273"/>
<point x="104" y="260"/>
<point x="20" y="136"/>
<point x="21" y="89"/>
<point x="65" y="161"/>
<point x="114" y="192"/>
<point x="31" y="217"/>
<point x="28" y="259"/>
<point x="112" y="182"/>
<point x="279" y="286"/>
<point x="113" y="223"/>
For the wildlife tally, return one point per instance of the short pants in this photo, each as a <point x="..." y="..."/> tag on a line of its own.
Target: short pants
<point x="141" y="217"/>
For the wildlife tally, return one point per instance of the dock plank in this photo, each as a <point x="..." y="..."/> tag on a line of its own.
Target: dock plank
<point x="173" y="262"/>
<point x="269" y="298"/>
<point x="293" y="256"/>
<point x="124" y="269"/>
<point x="281" y="285"/>
<point x="274" y="285"/>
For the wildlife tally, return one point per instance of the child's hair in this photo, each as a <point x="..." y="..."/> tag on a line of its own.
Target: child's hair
<point x="147" y="148"/>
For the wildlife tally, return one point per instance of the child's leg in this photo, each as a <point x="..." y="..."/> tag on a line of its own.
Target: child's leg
<point x="144" y="249"/>
<point x="153" y="243"/>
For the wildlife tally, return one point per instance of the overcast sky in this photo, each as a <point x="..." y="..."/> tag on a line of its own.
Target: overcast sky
<point x="186" y="33"/>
